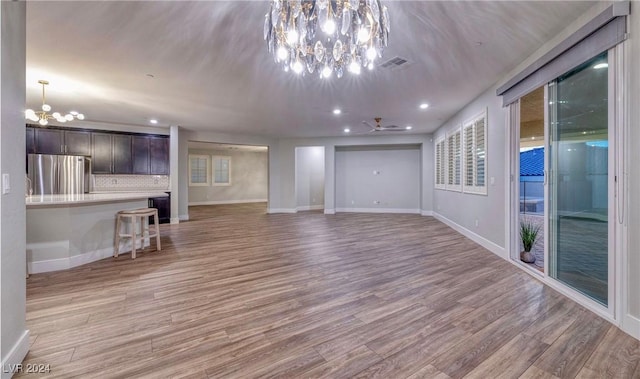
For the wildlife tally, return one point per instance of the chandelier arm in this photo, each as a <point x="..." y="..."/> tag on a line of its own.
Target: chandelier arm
<point x="43" y="97"/>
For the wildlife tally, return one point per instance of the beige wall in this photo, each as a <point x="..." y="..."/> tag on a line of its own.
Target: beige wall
<point x="249" y="179"/>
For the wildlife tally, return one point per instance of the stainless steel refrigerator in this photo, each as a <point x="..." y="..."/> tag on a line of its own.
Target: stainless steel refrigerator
<point x="58" y="174"/>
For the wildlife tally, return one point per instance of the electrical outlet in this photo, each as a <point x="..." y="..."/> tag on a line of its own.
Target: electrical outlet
<point x="377" y="202"/>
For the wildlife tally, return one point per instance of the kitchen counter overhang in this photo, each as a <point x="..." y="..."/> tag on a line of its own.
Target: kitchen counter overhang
<point x="65" y="231"/>
<point x="36" y="201"/>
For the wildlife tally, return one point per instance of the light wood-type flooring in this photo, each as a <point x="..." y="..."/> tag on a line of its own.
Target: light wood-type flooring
<point x="310" y="295"/>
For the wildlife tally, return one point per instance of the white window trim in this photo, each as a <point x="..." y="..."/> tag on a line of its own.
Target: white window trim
<point x="443" y="165"/>
<point x="471" y="124"/>
<point x="213" y="169"/>
<point x="450" y="162"/>
<point x="207" y="170"/>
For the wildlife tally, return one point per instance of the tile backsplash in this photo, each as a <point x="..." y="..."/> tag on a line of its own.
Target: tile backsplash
<point x="130" y="182"/>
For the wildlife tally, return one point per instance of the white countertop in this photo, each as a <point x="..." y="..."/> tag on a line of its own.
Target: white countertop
<point x="88" y="198"/>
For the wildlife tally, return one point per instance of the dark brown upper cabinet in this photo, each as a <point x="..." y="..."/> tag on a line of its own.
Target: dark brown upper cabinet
<point x="56" y="141"/>
<point x="158" y="156"/>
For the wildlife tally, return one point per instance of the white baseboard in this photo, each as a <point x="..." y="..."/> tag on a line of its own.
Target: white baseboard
<point x="310" y="207"/>
<point x="281" y="210"/>
<point x="183" y="217"/>
<point x="631" y="326"/>
<point x="219" y="202"/>
<point x="491" y="246"/>
<point x="329" y="211"/>
<point x="378" y="210"/>
<point x="15" y="356"/>
<point x="426" y="213"/>
<point x="174" y="220"/>
<point x="77" y="260"/>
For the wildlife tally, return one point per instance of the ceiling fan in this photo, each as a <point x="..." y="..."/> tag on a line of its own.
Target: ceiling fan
<point x="379" y="128"/>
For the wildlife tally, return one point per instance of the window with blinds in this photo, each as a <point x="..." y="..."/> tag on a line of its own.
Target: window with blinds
<point x="198" y="170"/>
<point x="475" y="154"/>
<point x="221" y="171"/>
<point x="440" y="163"/>
<point x="454" y="169"/>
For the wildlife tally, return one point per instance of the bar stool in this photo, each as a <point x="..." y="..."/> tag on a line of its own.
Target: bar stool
<point x="136" y="216"/>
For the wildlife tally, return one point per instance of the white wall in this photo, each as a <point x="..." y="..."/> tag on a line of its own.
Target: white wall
<point x="14" y="338"/>
<point x="488" y="210"/>
<point x="310" y="177"/>
<point x="282" y="167"/>
<point x="249" y="179"/>
<point x="374" y="178"/>
<point x="464" y="209"/>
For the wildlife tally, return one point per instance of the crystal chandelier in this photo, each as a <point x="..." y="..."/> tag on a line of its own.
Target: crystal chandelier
<point x="326" y="36"/>
<point x="42" y="117"/>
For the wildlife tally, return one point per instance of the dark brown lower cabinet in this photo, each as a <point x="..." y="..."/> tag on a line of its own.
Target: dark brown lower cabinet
<point x="163" y="204"/>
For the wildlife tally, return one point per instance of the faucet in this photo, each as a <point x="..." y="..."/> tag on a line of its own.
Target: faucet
<point x="28" y="186"/>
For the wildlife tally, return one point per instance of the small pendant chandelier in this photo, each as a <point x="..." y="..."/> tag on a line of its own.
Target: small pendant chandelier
<point x="326" y="36"/>
<point x="42" y="117"/>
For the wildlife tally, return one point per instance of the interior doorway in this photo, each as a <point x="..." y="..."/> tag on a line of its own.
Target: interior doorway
<point x="309" y="178"/>
<point x="227" y="179"/>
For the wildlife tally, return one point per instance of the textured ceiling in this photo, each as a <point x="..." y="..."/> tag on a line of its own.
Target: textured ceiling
<point x="212" y="70"/>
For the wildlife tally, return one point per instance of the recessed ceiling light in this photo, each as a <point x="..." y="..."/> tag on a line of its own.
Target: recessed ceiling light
<point x="337" y="111"/>
<point x="424" y="106"/>
<point x="601" y="65"/>
<point x="153" y="121"/>
<point x="409" y="127"/>
<point x="347" y="130"/>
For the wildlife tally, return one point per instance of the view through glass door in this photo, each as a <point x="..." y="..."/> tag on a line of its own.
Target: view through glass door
<point x="530" y="185"/>
<point x="578" y="186"/>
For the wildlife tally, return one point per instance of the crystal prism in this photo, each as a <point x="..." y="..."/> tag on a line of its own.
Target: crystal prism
<point x="385" y="19"/>
<point x="375" y="10"/>
<point x="267" y="26"/>
<point x="346" y="21"/>
<point x="318" y="51"/>
<point x="337" y="50"/>
<point x="275" y="16"/>
<point x="323" y="16"/>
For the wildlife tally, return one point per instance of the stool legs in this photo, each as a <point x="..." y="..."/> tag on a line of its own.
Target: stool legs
<point x="134" y="237"/>
<point x="116" y="250"/>
<point x="157" y="231"/>
<point x="138" y="218"/>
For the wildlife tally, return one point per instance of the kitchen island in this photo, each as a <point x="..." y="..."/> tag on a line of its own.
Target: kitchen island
<point x="65" y="231"/>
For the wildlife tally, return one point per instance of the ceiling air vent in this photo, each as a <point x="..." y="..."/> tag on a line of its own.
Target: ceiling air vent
<point x="395" y="63"/>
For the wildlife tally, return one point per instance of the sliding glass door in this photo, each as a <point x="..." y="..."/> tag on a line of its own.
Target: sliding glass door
<point x="578" y="186"/>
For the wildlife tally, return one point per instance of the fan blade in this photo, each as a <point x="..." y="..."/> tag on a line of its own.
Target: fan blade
<point x="369" y="125"/>
<point x="391" y="127"/>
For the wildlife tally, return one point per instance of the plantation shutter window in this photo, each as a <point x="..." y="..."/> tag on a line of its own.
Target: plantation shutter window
<point x="440" y="163"/>
<point x="475" y="154"/>
<point x="454" y="168"/>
